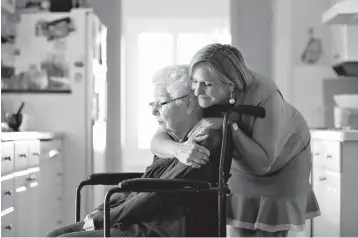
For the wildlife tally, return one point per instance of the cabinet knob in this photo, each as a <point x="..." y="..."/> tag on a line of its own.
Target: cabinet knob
<point x="31" y="178"/>
<point x="7" y="158"/>
<point x="35" y="154"/>
<point x="53" y="153"/>
<point x="22" y="155"/>
<point x="329" y="156"/>
<point x="8" y="192"/>
<point x="59" y="222"/>
<point x="322" y="178"/>
<point x="8" y="227"/>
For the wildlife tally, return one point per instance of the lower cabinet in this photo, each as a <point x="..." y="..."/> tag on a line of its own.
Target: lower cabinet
<point x="31" y="194"/>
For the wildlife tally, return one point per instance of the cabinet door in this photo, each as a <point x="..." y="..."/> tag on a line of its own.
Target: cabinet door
<point x="27" y="205"/>
<point x="34" y="153"/>
<point x="7" y="193"/>
<point x="7" y="157"/>
<point x="52" y="186"/>
<point x="21" y="155"/>
<point x="7" y="225"/>
<point x="326" y="185"/>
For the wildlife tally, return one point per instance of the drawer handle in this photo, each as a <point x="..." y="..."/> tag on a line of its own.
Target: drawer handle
<point x="59" y="222"/>
<point x="7" y="158"/>
<point x="329" y="156"/>
<point x="31" y="178"/>
<point x="8" y="193"/>
<point x="316" y="154"/>
<point x="8" y="227"/>
<point x="22" y="155"/>
<point x="35" y="154"/>
<point x="322" y="178"/>
<point x="53" y="153"/>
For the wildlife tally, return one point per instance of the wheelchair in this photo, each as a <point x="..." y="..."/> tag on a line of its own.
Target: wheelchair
<point x="131" y="182"/>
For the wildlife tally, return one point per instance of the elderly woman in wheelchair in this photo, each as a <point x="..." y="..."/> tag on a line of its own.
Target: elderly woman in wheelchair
<point x="165" y="214"/>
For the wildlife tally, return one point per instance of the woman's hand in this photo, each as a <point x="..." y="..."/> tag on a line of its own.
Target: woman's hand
<point x="192" y="154"/>
<point x="210" y="123"/>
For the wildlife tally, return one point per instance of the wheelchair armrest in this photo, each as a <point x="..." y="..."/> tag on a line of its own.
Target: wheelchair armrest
<point x="158" y="184"/>
<point x="111" y="178"/>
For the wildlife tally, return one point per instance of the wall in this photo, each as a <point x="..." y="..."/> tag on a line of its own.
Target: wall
<point x="251" y="30"/>
<point x="174" y="8"/>
<point x="109" y="12"/>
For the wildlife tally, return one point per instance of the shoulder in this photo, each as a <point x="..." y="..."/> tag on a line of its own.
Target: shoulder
<point x="261" y="90"/>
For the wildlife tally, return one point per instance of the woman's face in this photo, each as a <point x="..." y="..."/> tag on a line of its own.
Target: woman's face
<point x="209" y="89"/>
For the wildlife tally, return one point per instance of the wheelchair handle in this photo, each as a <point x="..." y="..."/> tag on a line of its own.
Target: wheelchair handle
<point x="249" y="110"/>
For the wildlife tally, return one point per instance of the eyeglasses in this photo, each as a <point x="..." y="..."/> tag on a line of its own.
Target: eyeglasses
<point x="160" y="104"/>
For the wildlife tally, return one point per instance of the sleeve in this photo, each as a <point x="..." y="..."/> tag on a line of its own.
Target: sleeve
<point x="261" y="149"/>
<point x="144" y="205"/>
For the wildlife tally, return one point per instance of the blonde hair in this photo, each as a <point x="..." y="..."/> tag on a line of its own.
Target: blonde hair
<point x="176" y="79"/>
<point x="226" y="63"/>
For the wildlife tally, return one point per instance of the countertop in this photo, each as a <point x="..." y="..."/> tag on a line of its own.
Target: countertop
<point x="28" y="135"/>
<point x="334" y="134"/>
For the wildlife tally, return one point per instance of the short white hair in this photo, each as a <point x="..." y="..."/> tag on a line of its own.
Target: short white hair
<point x="176" y="80"/>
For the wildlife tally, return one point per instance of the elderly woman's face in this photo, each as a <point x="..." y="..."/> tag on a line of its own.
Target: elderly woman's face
<point x="209" y="89"/>
<point x="171" y="114"/>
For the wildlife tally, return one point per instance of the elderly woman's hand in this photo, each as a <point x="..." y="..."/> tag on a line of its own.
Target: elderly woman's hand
<point x="192" y="154"/>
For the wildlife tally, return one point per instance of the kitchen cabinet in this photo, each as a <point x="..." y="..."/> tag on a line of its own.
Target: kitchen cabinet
<point x="51" y="164"/>
<point x="335" y="182"/>
<point x="27" y="204"/>
<point x="31" y="184"/>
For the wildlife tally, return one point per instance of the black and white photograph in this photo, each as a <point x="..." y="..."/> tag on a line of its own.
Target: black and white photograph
<point x="179" y="118"/>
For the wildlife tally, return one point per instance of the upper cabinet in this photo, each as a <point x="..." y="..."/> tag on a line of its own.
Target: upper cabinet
<point x="344" y="12"/>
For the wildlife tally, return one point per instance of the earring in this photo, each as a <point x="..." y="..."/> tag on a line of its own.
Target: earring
<point x="232" y="100"/>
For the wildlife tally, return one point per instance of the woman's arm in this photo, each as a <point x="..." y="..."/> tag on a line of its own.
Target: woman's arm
<point x="189" y="152"/>
<point x="162" y="145"/>
<point x="261" y="150"/>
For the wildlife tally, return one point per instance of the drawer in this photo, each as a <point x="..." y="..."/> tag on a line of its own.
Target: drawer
<point x="7" y="225"/>
<point x="327" y="188"/>
<point x="50" y="149"/>
<point x="21" y="155"/>
<point x="327" y="155"/>
<point x="34" y="153"/>
<point x="7" y="193"/>
<point x="7" y="157"/>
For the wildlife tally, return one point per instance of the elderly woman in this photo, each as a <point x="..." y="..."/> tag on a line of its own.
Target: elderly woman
<point x="152" y="214"/>
<point x="270" y="189"/>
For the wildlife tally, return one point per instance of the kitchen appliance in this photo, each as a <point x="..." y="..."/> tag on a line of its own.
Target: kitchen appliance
<point x="345" y="118"/>
<point x="79" y="115"/>
<point x="332" y="87"/>
<point x="346" y="111"/>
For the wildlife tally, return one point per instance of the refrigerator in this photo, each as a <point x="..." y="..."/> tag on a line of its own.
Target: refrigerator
<point x="59" y="72"/>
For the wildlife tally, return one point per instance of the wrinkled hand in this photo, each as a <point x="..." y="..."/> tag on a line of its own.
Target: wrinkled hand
<point x="89" y="224"/>
<point x="192" y="154"/>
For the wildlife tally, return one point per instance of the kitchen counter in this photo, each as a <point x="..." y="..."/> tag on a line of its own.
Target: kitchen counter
<point x="334" y="134"/>
<point x="28" y="135"/>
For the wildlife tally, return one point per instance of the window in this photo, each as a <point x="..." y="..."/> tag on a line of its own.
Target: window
<point x="155" y="51"/>
<point x="150" y="45"/>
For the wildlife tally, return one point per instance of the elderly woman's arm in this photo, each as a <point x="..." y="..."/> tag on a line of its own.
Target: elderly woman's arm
<point x="262" y="148"/>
